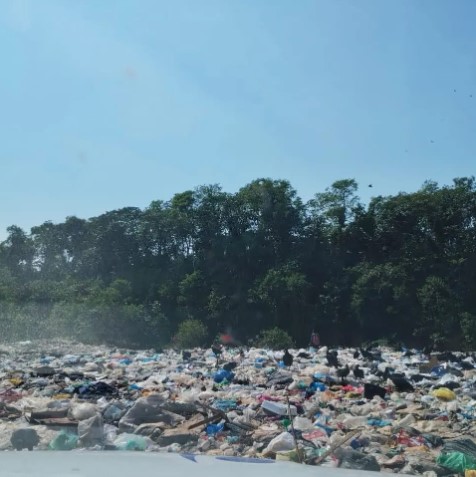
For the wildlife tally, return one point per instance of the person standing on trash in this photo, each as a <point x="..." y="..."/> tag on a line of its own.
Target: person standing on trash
<point x="217" y="350"/>
<point x="315" y="341"/>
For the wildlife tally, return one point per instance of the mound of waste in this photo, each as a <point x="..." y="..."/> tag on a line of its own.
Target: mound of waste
<point x="368" y="409"/>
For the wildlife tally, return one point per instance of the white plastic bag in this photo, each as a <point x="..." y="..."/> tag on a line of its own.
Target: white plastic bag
<point x="282" y="442"/>
<point x="80" y="412"/>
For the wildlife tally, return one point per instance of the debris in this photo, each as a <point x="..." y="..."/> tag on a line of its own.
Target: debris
<point x="404" y="411"/>
<point x="24" y="439"/>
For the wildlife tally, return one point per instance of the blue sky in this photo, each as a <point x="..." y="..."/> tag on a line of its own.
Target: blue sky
<point x="113" y="103"/>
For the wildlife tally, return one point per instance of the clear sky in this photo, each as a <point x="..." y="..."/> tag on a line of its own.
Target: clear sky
<point x="112" y="103"/>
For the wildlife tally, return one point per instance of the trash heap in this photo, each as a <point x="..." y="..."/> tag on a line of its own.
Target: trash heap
<point x="380" y="410"/>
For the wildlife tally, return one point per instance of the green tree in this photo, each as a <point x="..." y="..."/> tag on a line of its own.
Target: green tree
<point x="191" y="334"/>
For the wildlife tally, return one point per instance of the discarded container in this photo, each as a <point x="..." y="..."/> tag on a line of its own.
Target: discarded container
<point x="278" y="408"/>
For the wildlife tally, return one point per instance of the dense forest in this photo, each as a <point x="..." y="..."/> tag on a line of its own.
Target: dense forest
<point x="402" y="268"/>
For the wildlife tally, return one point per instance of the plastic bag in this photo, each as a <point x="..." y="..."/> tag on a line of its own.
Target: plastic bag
<point x="223" y="375"/>
<point x="465" y="446"/>
<point x="350" y="459"/>
<point x="303" y="424"/>
<point x="434" y="440"/>
<point x="91" y="431"/>
<point x="378" y="422"/>
<point x="131" y="442"/>
<point x="444" y="394"/>
<point x="317" y="437"/>
<point x="64" y="441"/>
<point x="113" y="412"/>
<point x="282" y="442"/>
<point x="82" y="411"/>
<point x="145" y="410"/>
<point x="318" y="386"/>
<point x="456" y="461"/>
<point x="213" y="429"/>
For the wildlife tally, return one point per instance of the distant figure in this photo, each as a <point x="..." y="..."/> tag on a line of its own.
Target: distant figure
<point x="288" y="358"/>
<point x="217" y="350"/>
<point x="315" y="341"/>
<point x="186" y="355"/>
<point x="358" y="373"/>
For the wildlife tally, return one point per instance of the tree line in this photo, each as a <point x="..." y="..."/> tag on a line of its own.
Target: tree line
<point x="401" y="268"/>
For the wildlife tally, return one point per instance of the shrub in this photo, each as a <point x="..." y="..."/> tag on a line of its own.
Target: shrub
<point x="275" y="338"/>
<point x="191" y="333"/>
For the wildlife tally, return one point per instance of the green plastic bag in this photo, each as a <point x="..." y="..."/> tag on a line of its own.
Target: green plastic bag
<point x="64" y="441"/>
<point x="131" y="442"/>
<point x="456" y="461"/>
<point x="285" y="422"/>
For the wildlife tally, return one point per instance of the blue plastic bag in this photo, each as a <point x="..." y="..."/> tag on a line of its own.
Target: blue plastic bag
<point x="223" y="375"/>
<point x="317" y="386"/>
<point x="213" y="429"/>
<point x="438" y="371"/>
<point x="378" y="422"/>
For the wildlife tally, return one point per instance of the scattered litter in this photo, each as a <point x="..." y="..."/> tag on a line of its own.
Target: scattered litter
<point x="402" y="412"/>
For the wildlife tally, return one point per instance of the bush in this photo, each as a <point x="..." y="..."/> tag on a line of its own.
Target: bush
<point x="275" y="338"/>
<point x="191" y="333"/>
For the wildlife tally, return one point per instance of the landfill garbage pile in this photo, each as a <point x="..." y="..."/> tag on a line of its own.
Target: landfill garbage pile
<point x="368" y="409"/>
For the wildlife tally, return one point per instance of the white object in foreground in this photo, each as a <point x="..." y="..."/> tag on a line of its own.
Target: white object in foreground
<point x="133" y="464"/>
